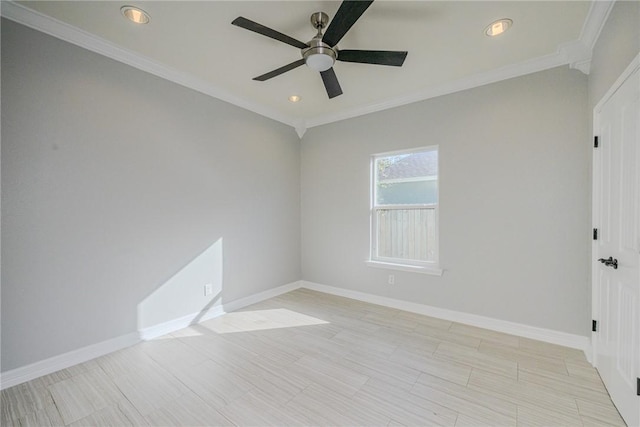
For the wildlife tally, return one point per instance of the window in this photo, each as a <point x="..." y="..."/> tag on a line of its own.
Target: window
<point x="404" y="210"/>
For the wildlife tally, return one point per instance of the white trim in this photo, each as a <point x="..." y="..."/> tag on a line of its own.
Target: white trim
<point x="423" y="269"/>
<point x="596" y="18"/>
<point x="547" y="335"/>
<point x="572" y="53"/>
<point x="74" y="357"/>
<point x="576" y="54"/>
<point x="62" y="361"/>
<point x="301" y="129"/>
<point x="588" y="352"/>
<point x="431" y="267"/>
<point x="414" y="179"/>
<point x="406" y="207"/>
<point x="510" y="71"/>
<point x="595" y="221"/>
<point x="633" y="66"/>
<point x="579" y="52"/>
<point x="261" y="296"/>
<point x="173" y="325"/>
<point x="53" y="27"/>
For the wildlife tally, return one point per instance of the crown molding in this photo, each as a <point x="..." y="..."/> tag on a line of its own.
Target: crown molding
<point x="576" y="54"/>
<point x="301" y="129"/>
<point x="61" y="30"/>
<point x="476" y="80"/>
<point x="579" y="52"/>
<point x="596" y="18"/>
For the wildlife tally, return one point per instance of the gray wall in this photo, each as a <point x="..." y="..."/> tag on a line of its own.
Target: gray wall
<point x="114" y="181"/>
<point x="123" y="194"/>
<point x="618" y="44"/>
<point x="514" y="200"/>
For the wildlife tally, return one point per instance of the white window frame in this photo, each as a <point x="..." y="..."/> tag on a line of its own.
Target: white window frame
<point x="427" y="267"/>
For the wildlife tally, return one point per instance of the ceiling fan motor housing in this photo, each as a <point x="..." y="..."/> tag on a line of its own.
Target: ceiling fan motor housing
<point x="319" y="56"/>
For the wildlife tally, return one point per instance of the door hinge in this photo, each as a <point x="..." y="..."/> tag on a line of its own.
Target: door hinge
<point x="594" y="326"/>
<point x="595" y="234"/>
<point x="638" y="386"/>
<point x="595" y="142"/>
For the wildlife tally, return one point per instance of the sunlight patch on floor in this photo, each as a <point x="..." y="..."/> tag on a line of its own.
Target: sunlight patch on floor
<point x="256" y="320"/>
<point x="188" y="332"/>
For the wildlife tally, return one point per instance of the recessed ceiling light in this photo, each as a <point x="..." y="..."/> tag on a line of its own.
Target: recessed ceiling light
<point x="135" y="14"/>
<point x="294" y="98"/>
<point x="498" y="27"/>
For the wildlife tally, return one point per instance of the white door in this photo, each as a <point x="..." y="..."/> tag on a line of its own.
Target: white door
<point x="617" y="217"/>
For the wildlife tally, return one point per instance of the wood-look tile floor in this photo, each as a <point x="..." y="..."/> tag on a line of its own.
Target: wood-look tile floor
<point x="307" y="358"/>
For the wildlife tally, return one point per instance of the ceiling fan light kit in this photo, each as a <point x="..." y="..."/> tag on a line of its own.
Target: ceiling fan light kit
<point x="319" y="56"/>
<point x="321" y="52"/>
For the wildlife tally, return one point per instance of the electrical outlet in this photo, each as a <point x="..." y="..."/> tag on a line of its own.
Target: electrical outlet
<point x="392" y="279"/>
<point x="208" y="289"/>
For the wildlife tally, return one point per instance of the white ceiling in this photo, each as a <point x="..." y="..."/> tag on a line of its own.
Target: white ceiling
<point x="194" y="43"/>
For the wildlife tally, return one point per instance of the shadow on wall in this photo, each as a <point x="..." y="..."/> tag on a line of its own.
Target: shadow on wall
<point x="189" y="296"/>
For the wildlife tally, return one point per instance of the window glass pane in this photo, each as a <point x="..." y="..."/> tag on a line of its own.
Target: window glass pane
<point x="407" y="179"/>
<point x="407" y="234"/>
<point x="408" y="193"/>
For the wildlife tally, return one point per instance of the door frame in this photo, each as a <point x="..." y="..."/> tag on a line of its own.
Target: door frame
<point x="595" y="199"/>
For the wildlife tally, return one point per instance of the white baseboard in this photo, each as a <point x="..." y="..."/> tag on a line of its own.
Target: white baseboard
<point x="56" y="363"/>
<point x="62" y="361"/>
<point x="173" y="325"/>
<point x="261" y="296"/>
<point x="184" y="321"/>
<point x="588" y="352"/>
<point x="547" y="335"/>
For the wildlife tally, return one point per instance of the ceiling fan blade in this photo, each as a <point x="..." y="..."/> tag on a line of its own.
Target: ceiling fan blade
<point x="280" y="70"/>
<point x="380" y="57"/>
<point x="345" y="17"/>
<point x="331" y="83"/>
<point x="266" y="31"/>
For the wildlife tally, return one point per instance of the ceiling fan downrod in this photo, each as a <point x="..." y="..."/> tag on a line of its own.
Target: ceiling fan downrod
<point x="319" y="56"/>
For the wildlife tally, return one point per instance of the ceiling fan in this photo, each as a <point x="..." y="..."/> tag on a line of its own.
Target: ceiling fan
<point x="321" y="52"/>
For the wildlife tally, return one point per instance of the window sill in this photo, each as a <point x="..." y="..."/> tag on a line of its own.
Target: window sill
<point x="432" y="270"/>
